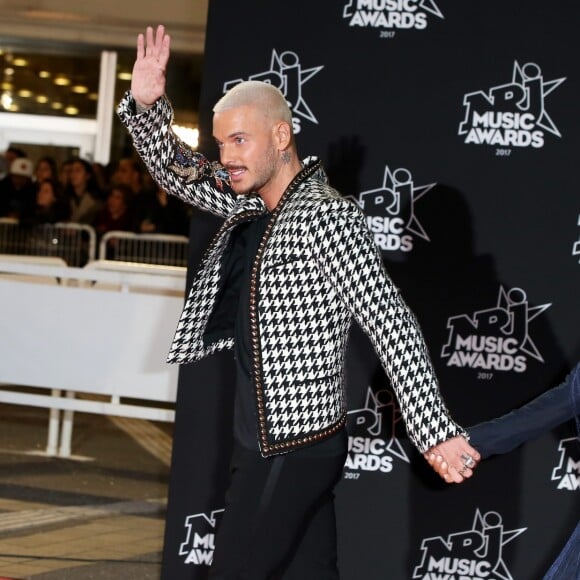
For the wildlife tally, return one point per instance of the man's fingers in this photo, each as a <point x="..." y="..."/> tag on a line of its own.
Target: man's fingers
<point x="154" y="44"/>
<point x="149" y="44"/>
<point x="453" y="460"/>
<point x="455" y="475"/>
<point x="468" y="450"/>
<point x="159" y="38"/>
<point x="469" y="458"/>
<point x="140" y="46"/>
<point x="165" y="49"/>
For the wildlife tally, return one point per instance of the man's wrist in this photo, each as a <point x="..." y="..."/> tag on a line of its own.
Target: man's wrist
<point x="141" y="108"/>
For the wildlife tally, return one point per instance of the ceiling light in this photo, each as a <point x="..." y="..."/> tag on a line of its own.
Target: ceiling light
<point x="20" y="62"/>
<point x="56" y="105"/>
<point x="42" y="99"/>
<point x="80" y="89"/>
<point x="93" y="96"/>
<point x="62" y="81"/>
<point x="6" y="101"/>
<point x="25" y="93"/>
<point x="7" y="86"/>
<point x="71" y="110"/>
<point x="188" y="135"/>
<point x="44" y="74"/>
<point x="124" y="76"/>
<point x="8" y="72"/>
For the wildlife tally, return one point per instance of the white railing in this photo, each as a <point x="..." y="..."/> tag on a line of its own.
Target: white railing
<point x="88" y="339"/>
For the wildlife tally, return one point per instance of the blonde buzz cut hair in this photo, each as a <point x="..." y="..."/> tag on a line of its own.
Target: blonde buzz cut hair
<point x="264" y="96"/>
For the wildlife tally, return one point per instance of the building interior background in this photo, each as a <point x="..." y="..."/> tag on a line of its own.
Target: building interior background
<point x="51" y="66"/>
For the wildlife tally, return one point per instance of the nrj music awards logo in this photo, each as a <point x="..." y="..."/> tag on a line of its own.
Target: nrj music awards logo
<point x="473" y="554"/>
<point x="372" y="445"/>
<point x="390" y="211"/>
<point x="287" y="74"/>
<point x="390" y="14"/>
<point x="496" y="338"/>
<point x="567" y="473"/>
<point x="199" y="543"/>
<point x="511" y="114"/>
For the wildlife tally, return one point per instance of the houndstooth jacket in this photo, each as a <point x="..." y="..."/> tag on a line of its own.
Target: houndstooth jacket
<point x="316" y="268"/>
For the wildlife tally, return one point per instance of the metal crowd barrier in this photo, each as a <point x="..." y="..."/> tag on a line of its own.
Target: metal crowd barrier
<point x="74" y="243"/>
<point x="162" y="249"/>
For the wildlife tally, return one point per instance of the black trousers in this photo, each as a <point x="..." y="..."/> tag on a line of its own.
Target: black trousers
<point x="279" y="520"/>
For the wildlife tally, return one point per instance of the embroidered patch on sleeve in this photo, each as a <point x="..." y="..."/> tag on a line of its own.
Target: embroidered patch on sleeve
<point x="194" y="166"/>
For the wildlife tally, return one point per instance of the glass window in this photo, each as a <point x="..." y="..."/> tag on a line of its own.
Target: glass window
<point x="62" y="79"/>
<point x="40" y="83"/>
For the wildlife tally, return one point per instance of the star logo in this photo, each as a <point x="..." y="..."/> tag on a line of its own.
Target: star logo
<point x="396" y="198"/>
<point x="509" y="320"/>
<point x="378" y="418"/>
<point x="199" y="543"/>
<point x="476" y="552"/>
<point x="286" y="73"/>
<point x="567" y="472"/>
<point x="516" y="297"/>
<point x="525" y="94"/>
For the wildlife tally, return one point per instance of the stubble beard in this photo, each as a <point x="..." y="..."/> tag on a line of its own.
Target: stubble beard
<point x="264" y="173"/>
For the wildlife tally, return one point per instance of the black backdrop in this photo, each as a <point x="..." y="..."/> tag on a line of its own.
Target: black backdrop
<point x="455" y="126"/>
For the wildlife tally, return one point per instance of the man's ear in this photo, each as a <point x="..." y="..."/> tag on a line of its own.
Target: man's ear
<point x="283" y="135"/>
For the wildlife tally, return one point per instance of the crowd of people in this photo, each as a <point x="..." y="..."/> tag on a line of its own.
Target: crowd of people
<point x="120" y="196"/>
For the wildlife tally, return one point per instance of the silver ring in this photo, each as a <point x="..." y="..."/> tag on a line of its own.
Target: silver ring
<point x="468" y="460"/>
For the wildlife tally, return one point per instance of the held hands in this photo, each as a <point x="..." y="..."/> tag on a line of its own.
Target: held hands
<point x="454" y="460"/>
<point x="148" y="80"/>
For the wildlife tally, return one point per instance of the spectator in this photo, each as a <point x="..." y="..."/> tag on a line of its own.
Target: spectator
<point x="64" y="173"/>
<point x="129" y="172"/>
<point x="83" y="193"/>
<point x="45" y="168"/>
<point x="116" y="214"/>
<point x="17" y="190"/>
<point x="51" y="206"/>
<point x="13" y="153"/>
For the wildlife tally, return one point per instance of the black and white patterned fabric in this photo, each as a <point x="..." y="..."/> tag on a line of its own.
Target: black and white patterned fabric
<point x="317" y="268"/>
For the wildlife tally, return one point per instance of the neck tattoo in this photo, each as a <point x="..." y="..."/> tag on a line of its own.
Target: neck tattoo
<point x="286" y="157"/>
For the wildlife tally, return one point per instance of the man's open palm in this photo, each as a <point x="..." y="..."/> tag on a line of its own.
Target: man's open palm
<point x="148" y="80"/>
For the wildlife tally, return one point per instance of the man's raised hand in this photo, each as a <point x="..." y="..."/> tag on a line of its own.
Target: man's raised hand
<point x="148" y="79"/>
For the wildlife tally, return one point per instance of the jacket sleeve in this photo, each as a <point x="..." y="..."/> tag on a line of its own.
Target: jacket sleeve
<point x="173" y="164"/>
<point x="351" y="261"/>
<point x="544" y="412"/>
